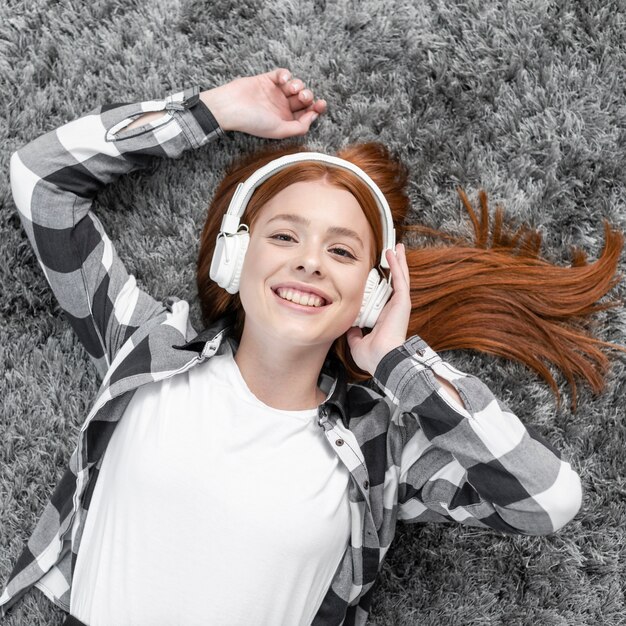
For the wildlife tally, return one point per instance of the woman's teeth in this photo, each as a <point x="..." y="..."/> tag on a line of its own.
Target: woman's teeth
<point x="299" y="297"/>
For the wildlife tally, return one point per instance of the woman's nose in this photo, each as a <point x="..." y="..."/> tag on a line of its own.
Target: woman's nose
<point x="309" y="261"/>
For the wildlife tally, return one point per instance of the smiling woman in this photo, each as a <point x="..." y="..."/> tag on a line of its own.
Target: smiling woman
<point x="316" y="188"/>
<point x="306" y="251"/>
<point x="493" y="293"/>
<point x="243" y="473"/>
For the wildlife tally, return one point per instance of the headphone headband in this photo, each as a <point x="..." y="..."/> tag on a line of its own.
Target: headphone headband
<point x="244" y="191"/>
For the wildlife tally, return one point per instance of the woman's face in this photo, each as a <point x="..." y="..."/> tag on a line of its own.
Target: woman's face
<point x="304" y="273"/>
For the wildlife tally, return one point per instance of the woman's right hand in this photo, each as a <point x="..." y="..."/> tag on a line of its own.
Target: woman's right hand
<point x="272" y="105"/>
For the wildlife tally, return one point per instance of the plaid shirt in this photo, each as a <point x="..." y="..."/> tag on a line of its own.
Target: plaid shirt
<point x="413" y="454"/>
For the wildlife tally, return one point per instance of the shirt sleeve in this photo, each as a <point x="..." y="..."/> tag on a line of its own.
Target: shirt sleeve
<point x="477" y="464"/>
<point x="54" y="181"/>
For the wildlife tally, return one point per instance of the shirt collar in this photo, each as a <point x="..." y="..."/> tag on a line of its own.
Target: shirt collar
<point x="219" y="330"/>
<point x="338" y="396"/>
<point x="333" y="368"/>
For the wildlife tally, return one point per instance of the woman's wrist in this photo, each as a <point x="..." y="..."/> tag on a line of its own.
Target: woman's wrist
<point x="219" y="103"/>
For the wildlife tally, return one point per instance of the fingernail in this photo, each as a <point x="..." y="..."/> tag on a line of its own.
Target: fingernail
<point x="314" y="117"/>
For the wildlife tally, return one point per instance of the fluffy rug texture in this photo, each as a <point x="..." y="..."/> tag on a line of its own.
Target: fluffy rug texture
<point x="523" y="98"/>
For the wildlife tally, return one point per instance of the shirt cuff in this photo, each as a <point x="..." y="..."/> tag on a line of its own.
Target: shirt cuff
<point x="188" y="102"/>
<point x="407" y="369"/>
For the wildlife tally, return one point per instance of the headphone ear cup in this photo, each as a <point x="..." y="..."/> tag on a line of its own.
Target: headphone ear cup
<point x="375" y="296"/>
<point x="227" y="261"/>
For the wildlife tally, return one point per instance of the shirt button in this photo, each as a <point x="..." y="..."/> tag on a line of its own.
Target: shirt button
<point x="191" y="102"/>
<point x="339" y="442"/>
<point x="366" y="484"/>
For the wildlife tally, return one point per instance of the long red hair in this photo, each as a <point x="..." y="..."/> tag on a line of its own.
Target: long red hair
<point x="492" y="292"/>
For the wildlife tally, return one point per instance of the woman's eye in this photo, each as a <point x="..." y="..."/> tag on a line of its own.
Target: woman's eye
<point x="344" y="253"/>
<point x="282" y="237"/>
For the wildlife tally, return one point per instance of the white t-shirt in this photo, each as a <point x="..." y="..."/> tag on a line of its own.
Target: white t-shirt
<point x="211" y="508"/>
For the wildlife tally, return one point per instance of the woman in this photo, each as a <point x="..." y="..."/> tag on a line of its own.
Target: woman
<point x="248" y="481"/>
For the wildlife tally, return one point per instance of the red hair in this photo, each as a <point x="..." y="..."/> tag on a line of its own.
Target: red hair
<point x="492" y="292"/>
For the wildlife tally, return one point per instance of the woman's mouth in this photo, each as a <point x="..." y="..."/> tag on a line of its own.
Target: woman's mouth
<point x="304" y="298"/>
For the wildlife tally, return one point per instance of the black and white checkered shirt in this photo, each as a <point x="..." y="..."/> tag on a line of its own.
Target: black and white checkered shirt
<point x="413" y="454"/>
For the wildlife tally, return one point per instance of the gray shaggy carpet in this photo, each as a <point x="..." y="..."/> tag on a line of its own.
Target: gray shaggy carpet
<point x="524" y="98"/>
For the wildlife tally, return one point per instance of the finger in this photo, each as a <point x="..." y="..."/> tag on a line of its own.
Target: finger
<point x="353" y="335"/>
<point x="398" y="275"/>
<point x="404" y="265"/>
<point x="400" y="262"/>
<point x="301" y="100"/>
<point x="394" y="267"/>
<point x="298" y="126"/>
<point x="320" y="106"/>
<point x="307" y="116"/>
<point x="280" y="76"/>
<point x="292" y="87"/>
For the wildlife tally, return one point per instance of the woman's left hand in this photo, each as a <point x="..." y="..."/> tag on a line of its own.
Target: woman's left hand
<point x="390" y="329"/>
<point x="273" y="105"/>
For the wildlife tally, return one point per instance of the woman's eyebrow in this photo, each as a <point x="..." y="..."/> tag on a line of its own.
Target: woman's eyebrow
<point x="345" y="232"/>
<point x="341" y="231"/>
<point x="291" y="217"/>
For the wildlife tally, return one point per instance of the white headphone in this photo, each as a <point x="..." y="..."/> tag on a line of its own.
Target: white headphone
<point x="232" y="241"/>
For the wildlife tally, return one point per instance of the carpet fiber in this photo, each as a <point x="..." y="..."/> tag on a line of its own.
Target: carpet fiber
<point x="523" y="98"/>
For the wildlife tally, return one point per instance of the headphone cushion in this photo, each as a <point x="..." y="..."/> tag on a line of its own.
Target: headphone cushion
<point x="370" y="294"/>
<point x="228" y="258"/>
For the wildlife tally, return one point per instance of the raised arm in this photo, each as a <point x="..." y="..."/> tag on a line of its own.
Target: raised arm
<point x="56" y="177"/>
<point x="272" y="105"/>
<point x="462" y="455"/>
<point x="474" y="462"/>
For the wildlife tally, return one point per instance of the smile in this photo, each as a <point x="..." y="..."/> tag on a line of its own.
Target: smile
<point x="304" y="298"/>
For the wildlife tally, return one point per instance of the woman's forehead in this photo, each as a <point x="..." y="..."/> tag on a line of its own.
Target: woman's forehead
<point x="316" y="201"/>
